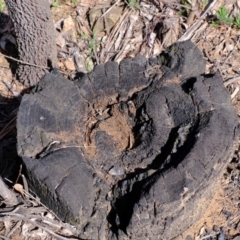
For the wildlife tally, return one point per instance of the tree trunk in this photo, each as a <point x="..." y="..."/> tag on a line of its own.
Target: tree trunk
<point x="34" y="31"/>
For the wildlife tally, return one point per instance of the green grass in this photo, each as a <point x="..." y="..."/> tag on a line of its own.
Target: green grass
<point x="237" y="21"/>
<point x="204" y="4"/>
<point x="74" y="1"/>
<point x="222" y="18"/>
<point x="2" y="5"/>
<point x="92" y="43"/>
<point x="55" y="4"/>
<point x="183" y="11"/>
<point x="89" y="64"/>
<point x="133" y="4"/>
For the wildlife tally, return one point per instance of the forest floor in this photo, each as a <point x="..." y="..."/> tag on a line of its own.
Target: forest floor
<point x="93" y="32"/>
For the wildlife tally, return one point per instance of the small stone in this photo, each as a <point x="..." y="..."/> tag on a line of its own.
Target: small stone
<point x="69" y="64"/>
<point x="116" y="171"/>
<point x="69" y="26"/>
<point x="221" y="236"/>
<point x="215" y="228"/>
<point x="202" y="231"/>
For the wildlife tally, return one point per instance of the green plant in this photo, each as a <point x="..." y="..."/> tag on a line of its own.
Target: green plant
<point x="2" y="5"/>
<point x="134" y="4"/>
<point x="74" y="1"/>
<point x="89" y="64"/>
<point x="93" y="44"/>
<point x="214" y="23"/>
<point x="83" y="36"/>
<point x="183" y="11"/>
<point x="55" y="4"/>
<point x="204" y="4"/>
<point x="222" y="16"/>
<point x="237" y="21"/>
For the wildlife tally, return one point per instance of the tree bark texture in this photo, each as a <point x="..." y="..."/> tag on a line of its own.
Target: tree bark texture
<point x="35" y="36"/>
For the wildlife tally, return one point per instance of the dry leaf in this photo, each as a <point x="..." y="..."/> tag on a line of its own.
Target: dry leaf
<point x="19" y="188"/>
<point x="112" y="17"/>
<point x="60" y="40"/>
<point x="69" y="64"/>
<point x="170" y="31"/>
<point x="95" y="21"/>
<point x="8" y="225"/>
<point x="69" y="26"/>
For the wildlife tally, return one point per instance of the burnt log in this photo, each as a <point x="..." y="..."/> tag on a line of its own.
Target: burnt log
<point x="35" y="35"/>
<point x="129" y="151"/>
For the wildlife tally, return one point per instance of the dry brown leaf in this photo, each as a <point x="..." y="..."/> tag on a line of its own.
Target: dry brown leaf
<point x="112" y="17"/>
<point x="157" y="48"/>
<point x="70" y="26"/>
<point x="229" y="45"/>
<point x="69" y="64"/>
<point x="60" y="40"/>
<point x="19" y="188"/>
<point x="95" y="20"/>
<point x="170" y="31"/>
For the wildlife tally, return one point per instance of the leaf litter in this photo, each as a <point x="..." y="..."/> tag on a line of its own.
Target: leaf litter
<point x="94" y="32"/>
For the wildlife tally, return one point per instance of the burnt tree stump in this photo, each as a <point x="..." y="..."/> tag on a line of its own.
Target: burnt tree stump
<point x="35" y="35"/>
<point x="129" y="151"/>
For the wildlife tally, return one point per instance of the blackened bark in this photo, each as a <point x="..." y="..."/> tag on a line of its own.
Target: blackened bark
<point x="129" y="151"/>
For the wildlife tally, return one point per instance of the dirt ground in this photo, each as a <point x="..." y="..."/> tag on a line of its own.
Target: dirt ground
<point x="93" y="32"/>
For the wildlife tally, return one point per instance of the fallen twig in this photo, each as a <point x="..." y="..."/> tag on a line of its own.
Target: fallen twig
<point x="233" y="95"/>
<point x="9" y="126"/>
<point x="26" y="63"/>
<point x="231" y="80"/>
<point x="21" y="217"/>
<point x="7" y="195"/>
<point x="191" y="30"/>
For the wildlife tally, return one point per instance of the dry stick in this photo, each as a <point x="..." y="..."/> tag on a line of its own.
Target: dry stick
<point x="30" y="64"/>
<point x="109" y="9"/>
<point x="127" y="36"/>
<point x="8" y="196"/>
<point x="17" y="225"/>
<point x="191" y="30"/>
<point x="10" y="125"/>
<point x="40" y="203"/>
<point x="26" y="63"/>
<point x="21" y="217"/>
<point x="231" y="80"/>
<point x="193" y="12"/>
<point x="114" y="32"/>
<point x="177" y="4"/>
<point x="37" y="217"/>
<point x="238" y="39"/>
<point x="5" y="238"/>
<point x="25" y="186"/>
<point x="233" y="95"/>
